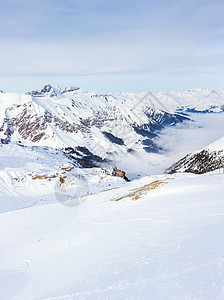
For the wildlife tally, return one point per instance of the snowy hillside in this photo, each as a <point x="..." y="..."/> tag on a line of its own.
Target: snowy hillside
<point x="32" y="176"/>
<point x="205" y="160"/>
<point x="159" y="236"/>
<point x="71" y="228"/>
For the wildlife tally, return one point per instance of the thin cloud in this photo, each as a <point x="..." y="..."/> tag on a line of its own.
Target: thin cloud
<point x="171" y="39"/>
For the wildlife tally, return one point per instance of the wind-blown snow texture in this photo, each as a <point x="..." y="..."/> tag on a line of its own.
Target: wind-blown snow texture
<point x="157" y="237"/>
<point x="166" y="245"/>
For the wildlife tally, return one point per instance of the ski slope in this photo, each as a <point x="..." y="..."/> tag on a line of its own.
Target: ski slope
<point x="166" y="244"/>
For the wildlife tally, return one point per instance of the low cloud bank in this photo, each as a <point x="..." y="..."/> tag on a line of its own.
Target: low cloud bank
<point x="177" y="141"/>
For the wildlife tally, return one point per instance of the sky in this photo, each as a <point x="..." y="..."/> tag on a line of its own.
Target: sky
<point x="112" y="46"/>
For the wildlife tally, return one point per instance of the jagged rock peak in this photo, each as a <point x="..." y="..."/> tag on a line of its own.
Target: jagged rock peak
<point x="64" y="89"/>
<point x="48" y="90"/>
<point x="1" y="91"/>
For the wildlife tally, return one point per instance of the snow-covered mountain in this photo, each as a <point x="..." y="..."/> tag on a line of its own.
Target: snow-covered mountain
<point x="196" y="100"/>
<point x="100" y="125"/>
<point x="105" y="126"/>
<point x="202" y="161"/>
<point x="70" y="230"/>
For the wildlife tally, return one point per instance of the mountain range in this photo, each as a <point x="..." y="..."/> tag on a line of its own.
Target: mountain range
<point x="95" y="129"/>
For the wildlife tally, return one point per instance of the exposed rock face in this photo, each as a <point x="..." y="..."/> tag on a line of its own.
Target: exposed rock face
<point x="199" y="163"/>
<point x="68" y="89"/>
<point x="31" y="126"/>
<point x="83" y="157"/>
<point x="113" y="138"/>
<point x="48" y="90"/>
<point x="119" y="173"/>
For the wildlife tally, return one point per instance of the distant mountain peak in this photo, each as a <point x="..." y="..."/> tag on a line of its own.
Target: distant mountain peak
<point x="49" y="90"/>
<point x="64" y="89"/>
<point x="46" y="90"/>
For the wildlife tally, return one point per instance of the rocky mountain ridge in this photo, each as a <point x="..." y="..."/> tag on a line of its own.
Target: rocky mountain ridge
<point x="202" y="161"/>
<point x="104" y="125"/>
<point x="69" y="117"/>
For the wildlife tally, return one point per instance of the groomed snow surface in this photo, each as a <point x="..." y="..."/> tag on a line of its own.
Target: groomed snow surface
<point x="159" y="237"/>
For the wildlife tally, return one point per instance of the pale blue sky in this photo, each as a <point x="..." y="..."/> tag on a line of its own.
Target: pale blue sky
<point x="108" y="46"/>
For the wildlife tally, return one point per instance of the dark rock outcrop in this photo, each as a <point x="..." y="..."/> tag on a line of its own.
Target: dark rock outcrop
<point x="199" y="163"/>
<point x="119" y="173"/>
<point x="47" y="89"/>
<point x="113" y="138"/>
<point x="83" y="157"/>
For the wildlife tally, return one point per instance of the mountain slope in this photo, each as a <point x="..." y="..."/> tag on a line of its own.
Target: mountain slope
<point x="106" y="125"/>
<point x="33" y="176"/>
<point x="167" y="244"/>
<point x="196" y="100"/>
<point x="205" y="160"/>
